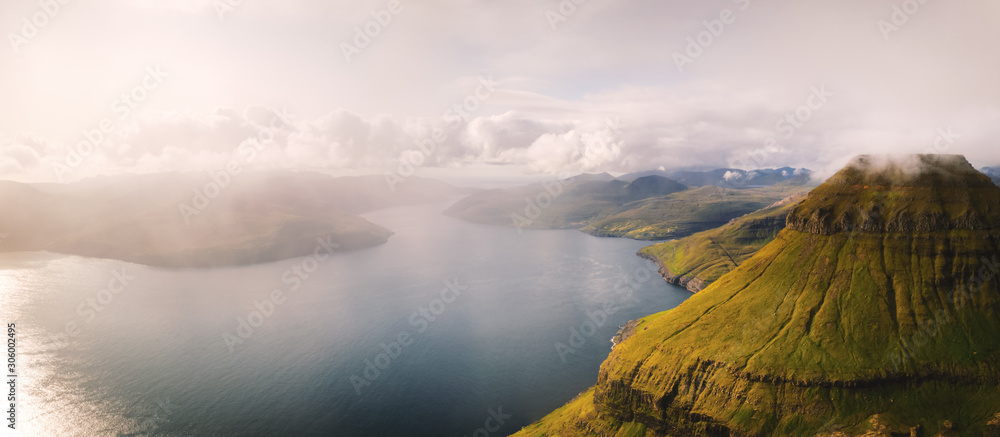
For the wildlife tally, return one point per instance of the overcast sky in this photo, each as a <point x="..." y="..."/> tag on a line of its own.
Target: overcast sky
<point x="547" y="87"/>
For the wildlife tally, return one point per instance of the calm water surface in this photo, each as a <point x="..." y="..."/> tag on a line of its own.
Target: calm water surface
<point x="153" y="360"/>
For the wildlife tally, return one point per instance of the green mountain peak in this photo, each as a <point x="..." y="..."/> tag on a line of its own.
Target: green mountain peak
<point x="912" y="193"/>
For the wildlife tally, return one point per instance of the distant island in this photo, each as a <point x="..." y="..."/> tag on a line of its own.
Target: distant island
<point x="201" y="220"/>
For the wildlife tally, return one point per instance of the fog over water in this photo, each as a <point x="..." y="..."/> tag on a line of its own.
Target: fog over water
<point x="153" y="360"/>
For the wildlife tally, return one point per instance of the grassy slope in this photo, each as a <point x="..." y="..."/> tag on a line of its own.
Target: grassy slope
<point x="688" y="212"/>
<point x="700" y="259"/>
<point x="806" y="336"/>
<point x="610" y="208"/>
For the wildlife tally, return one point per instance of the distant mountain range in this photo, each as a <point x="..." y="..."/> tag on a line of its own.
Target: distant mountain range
<point x="728" y="177"/>
<point x="197" y="220"/>
<point x="993" y="173"/>
<point x="645" y="206"/>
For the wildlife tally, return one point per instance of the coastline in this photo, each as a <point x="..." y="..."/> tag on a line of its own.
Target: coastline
<point x="693" y="284"/>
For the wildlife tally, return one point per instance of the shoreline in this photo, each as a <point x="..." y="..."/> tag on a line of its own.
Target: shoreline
<point x="693" y="284"/>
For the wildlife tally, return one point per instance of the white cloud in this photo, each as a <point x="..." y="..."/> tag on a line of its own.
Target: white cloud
<point x="607" y="61"/>
<point x="732" y="175"/>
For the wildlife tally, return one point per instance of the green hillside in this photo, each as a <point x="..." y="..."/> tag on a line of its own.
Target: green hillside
<point x="648" y="208"/>
<point x="696" y="261"/>
<point x="566" y="204"/>
<point x="876" y="312"/>
<point x="687" y="212"/>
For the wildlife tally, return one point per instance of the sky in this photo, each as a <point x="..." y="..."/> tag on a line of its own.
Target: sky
<point x="499" y="89"/>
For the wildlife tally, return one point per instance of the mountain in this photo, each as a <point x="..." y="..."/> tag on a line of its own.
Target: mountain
<point x="687" y="212"/>
<point x="993" y="173"/>
<point x="565" y="204"/>
<point x="591" y="177"/>
<point x="696" y="261"/>
<point x="728" y="177"/>
<point x="647" y="208"/>
<point x="653" y="186"/>
<point x="875" y="312"/>
<point x="633" y="176"/>
<point x="204" y="220"/>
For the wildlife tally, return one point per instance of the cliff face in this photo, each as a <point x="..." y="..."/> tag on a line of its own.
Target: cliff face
<point x="692" y="283"/>
<point x="848" y="323"/>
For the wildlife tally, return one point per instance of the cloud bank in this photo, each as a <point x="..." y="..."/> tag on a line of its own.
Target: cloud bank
<point x="599" y="88"/>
